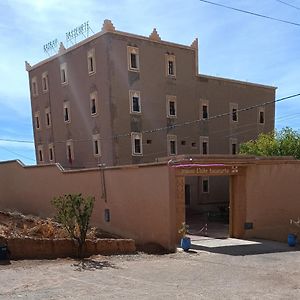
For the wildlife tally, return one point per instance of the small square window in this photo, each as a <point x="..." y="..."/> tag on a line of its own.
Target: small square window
<point x="133" y="58"/>
<point x="149" y="142"/>
<point x="135" y="102"/>
<point x="183" y="143"/>
<point x="193" y="145"/>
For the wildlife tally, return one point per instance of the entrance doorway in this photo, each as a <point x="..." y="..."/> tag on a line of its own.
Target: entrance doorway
<point x="207" y="206"/>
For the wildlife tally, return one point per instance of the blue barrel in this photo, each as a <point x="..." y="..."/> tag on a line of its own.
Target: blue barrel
<point x="185" y="243"/>
<point x="292" y="240"/>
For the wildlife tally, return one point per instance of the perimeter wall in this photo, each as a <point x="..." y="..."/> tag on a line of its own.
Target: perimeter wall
<point x="138" y="197"/>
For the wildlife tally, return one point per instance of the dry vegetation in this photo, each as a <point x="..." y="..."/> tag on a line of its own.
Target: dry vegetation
<point x="17" y="225"/>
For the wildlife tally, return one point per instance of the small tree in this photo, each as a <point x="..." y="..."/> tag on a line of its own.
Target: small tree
<point x="74" y="213"/>
<point x="279" y="143"/>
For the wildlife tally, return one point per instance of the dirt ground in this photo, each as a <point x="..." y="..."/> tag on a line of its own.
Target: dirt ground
<point x="269" y="272"/>
<point x="15" y="224"/>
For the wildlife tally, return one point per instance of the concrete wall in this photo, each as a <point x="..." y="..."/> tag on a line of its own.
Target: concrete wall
<point x="272" y="194"/>
<point x="139" y="198"/>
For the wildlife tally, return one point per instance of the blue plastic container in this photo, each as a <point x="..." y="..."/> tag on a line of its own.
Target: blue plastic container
<point x="292" y="240"/>
<point x="185" y="243"/>
<point x="4" y="252"/>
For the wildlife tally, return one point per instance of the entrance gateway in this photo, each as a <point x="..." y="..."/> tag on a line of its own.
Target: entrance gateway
<point x="184" y="172"/>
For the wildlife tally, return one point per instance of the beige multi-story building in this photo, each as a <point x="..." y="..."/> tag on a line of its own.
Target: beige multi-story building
<point x="117" y="98"/>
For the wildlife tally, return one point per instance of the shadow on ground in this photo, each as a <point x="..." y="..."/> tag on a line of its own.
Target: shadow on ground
<point x="252" y="247"/>
<point x="92" y="265"/>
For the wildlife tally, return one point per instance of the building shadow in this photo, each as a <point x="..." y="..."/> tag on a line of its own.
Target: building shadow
<point x="257" y="247"/>
<point x="92" y="265"/>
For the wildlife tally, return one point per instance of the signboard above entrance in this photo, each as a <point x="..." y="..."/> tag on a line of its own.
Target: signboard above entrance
<point x="205" y="170"/>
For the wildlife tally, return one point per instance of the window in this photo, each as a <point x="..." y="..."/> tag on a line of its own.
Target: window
<point x="96" y="145"/>
<point x="133" y="58"/>
<point x="94" y="103"/>
<point x="45" y="82"/>
<point x="34" y="87"/>
<point x="48" y="117"/>
<point x="40" y="153"/>
<point x="204" y="109"/>
<point x="135" y="102"/>
<point x="171" y="107"/>
<point x="233" y="112"/>
<point x="183" y="143"/>
<point x="170" y="65"/>
<point x="136" y="143"/>
<point x="205" y="185"/>
<point x="91" y="61"/>
<point x="149" y="142"/>
<point x="51" y="152"/>
<point x="204" y="145"/>
<point x="70" y="151"/>
<point x="106" y="215"/>
<point x="172" y="144"/>
<point x="63" y="73"/>
<point x="37" y="120"/>
<point x="233" y="149"/>
<point x="261" y="115"/>
<point x="67" y="115"/>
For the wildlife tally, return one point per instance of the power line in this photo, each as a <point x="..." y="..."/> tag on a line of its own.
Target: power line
<point x="288" y="4"/>
<point x="15" y="153"/>
<point x="250" y="13"/>
<point x="187" y="123"/>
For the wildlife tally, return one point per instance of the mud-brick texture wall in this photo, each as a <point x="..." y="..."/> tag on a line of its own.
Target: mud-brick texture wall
<point x="138" y="198"/>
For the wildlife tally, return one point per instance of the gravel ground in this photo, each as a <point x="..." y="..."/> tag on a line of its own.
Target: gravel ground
<point x="194" y="275"/>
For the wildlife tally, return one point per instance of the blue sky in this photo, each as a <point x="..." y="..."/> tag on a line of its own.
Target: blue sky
<point x="231" y="44"/>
